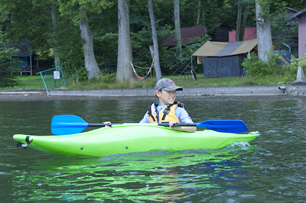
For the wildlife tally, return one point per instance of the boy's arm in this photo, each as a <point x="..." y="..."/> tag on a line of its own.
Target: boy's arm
<point x="184" y="117"/>
<point x="190" y="129"/>
<point x="145" y="119"/>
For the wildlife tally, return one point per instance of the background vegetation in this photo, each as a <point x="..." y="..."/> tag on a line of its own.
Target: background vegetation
<point x="33" y="20"/>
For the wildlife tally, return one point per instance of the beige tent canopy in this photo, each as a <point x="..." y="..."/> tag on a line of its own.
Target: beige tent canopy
<point x="224" y="59"/>
<point x="211" y="49"/>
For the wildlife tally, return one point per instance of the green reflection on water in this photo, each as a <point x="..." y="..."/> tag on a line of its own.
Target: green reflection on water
<point x="155" y="176"/>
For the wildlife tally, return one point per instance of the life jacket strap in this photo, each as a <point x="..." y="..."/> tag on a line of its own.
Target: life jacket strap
<point x="153" y="108"/>
<point x="167" y="111"/>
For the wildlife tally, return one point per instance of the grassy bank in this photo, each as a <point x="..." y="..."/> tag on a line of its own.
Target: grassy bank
<point x="188" y="82"/>
<point x="27" y="82"/>
<point x="35" y="82"/>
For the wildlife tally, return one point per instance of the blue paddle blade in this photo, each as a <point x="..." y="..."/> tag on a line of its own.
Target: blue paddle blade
<point x="67" y="125"/>
<point x="225" y="126"/>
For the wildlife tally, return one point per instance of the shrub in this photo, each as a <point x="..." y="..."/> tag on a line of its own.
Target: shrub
<point x="109" y="78"/>
<point x="82" y="74"/>
<point x="255" y="66"/>
<point x="258" y="68"/>
<point x="301" y="61"/>
<point x="8" y="65"/>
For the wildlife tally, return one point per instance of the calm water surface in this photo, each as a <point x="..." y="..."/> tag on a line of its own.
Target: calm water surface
<point x="272" y="168"/>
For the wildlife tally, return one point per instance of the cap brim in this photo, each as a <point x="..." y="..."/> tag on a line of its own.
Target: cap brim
<point x="172" y="88"/>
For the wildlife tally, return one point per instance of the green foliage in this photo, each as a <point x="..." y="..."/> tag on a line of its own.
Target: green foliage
<point x="281" y="32"/>
<point x="31" y="19"/>
<point x="82" y="74"/>
<point x="45" y="63"/>
<point x="71" y="8"/>
<point x="67" y="40"/>
<point x="106" y="51"/>
<point x="274" y="6"/>
<point x="229" y="10"/>
<point x="93" y="80"/>
<point x="8" y="65"/>
<point x="25" y="20"/>
<point x="109" y="78"/>
<point x="214" y="11"/>
<point x="141" y="41"/>
<point x="170" y="62"/>
<point x="296" y="4"/>
<point x="258" y="68"/>
<point x="255" y="66"/>
<point x="301" y="61"/>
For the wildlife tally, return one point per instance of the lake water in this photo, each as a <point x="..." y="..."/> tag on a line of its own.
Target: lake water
<point x="271" y="169"/>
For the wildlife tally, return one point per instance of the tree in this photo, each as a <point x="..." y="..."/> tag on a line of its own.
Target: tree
<point x="263" y="28"/>
<point x="77" y="11"/>
<point x="199" y="12"/>
<point x="177" y="25"/>
<point x="38" y="22"/>
<point x="25" y="20"/>
<point x="89" y="55"/>
<point x="243" y="7"/>
<point x="155" y="42"/>
<point x="55" y="28"/>
<point x="203" y="15"/>
<point x="8" y="65"/>
<point x="124" y="71"/>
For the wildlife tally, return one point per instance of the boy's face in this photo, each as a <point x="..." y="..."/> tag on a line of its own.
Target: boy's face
<point x="166" y="97"/>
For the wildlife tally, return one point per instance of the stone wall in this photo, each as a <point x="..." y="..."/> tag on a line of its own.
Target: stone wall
<point x="252" y="90"/>
<point x="296" y="89"/>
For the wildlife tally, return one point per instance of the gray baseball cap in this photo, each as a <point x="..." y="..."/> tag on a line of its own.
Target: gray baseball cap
<point x="168" y="85"/>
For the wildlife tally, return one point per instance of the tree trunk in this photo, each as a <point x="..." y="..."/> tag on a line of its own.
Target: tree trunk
<point x="177" y="25"/>
<point x="245" y="18"/>
<point x="264" y="36"/>
<point x="54" y="27"/>
<point x="238" y="23"/>
<point x="204" y="19"/>
<point x="89" y="56"/>
<point x="199" y="12"/>
<point x="155" y="42"/>
<point x="124" y="70"/>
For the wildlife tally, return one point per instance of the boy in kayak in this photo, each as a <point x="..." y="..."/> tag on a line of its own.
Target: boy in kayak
<point x="168" y="110"/>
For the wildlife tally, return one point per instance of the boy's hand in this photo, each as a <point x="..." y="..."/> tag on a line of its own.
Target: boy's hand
<point x="187" y="129"/>
<point x="171" y="123"/>
<point x="106" y="123"/>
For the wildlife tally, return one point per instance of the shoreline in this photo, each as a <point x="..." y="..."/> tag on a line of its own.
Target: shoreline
<point x="17" y="98"/>
<point x="293" y="90"/>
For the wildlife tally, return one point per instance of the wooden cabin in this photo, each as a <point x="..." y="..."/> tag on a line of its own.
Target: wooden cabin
<point x="221" y="33"/>
<point x="301" y="16"/>
<point x="189" y="33"/>
<point x="29" y="64"/>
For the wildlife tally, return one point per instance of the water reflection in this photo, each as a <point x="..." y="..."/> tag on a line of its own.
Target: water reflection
<point x="270" y="170"/>
<point x="158" y="176"/>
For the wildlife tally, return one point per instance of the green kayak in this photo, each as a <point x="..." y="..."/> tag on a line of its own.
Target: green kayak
<point x="128" y="139"/>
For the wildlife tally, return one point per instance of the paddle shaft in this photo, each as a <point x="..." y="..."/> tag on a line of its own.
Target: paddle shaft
<point x="159" y="124"/>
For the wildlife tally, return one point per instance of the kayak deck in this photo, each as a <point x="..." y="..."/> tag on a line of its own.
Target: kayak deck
<point x="129" y="139"/>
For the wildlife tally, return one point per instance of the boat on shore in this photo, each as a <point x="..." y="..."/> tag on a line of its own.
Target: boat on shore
<point x="121" y="139"/>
